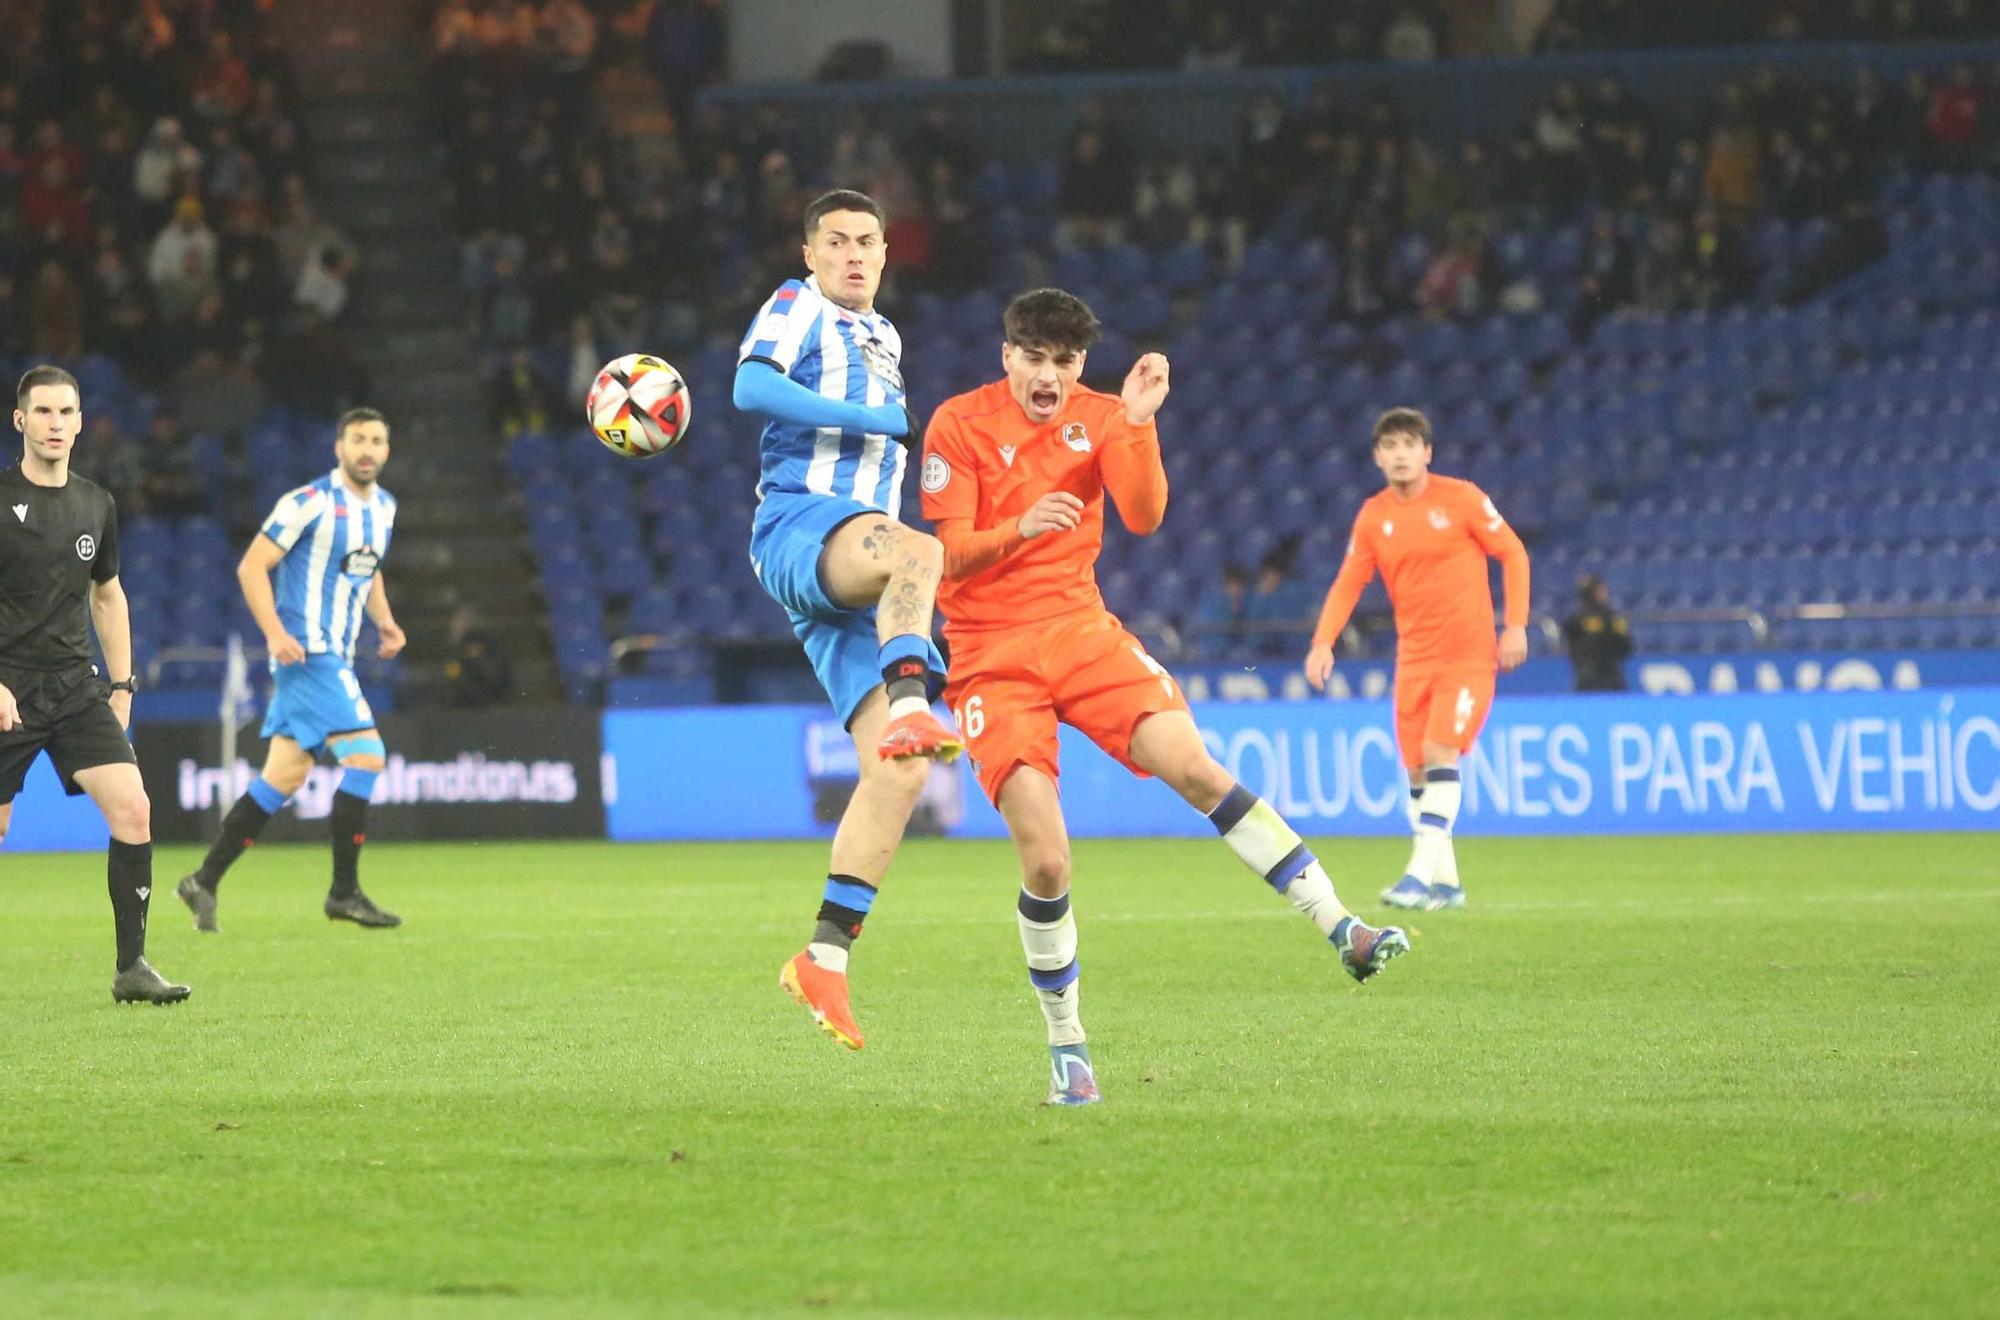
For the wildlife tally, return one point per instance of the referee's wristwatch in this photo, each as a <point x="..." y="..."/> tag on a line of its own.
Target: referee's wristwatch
<point x="127" y="685"/>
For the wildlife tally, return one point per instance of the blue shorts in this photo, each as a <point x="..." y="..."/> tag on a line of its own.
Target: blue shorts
<point x="786" y="539"/>
<point x="315" y="700"/>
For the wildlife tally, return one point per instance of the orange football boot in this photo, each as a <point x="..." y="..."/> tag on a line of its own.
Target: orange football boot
<point x="920" y="734"/>
<point x="824" y="994"/>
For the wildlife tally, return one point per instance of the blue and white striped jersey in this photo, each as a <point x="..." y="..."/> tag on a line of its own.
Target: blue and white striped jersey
<point x="852" y="356"/>
<point x="334" y="542"/>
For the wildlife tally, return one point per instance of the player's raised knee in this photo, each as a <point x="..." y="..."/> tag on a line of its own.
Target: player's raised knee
<point x="926" y="550"/>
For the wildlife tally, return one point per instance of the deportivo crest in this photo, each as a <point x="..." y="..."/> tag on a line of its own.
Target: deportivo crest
<point x="881" y="364"/>
<point x="361" y="563"/>
<point x="86" y="547"/>
<point x="1076" y="437"/>
<point x="1438" y="520"/>
<point x="936" y="473"/>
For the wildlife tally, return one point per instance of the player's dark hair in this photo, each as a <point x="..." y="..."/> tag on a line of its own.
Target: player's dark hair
<point x="842" y="199"/>
<point x="356" y="415"/>
<point x="1051" y="319"/>
<point x="1403" y="421"/>
<point x="43" y="375"/>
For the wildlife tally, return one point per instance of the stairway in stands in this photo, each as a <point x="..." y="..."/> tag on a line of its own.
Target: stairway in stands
<point x="381" y="177"/>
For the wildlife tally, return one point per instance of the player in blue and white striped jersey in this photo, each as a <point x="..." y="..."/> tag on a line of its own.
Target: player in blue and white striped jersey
<point x="824" y="368"/>
<point x="324" y="544"/>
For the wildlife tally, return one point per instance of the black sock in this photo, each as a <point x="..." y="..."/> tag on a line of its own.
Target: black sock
<point x="842" y="911"/>
<point x="907" y="678"/>
<point x="129" y="871"/>
<point x="350" y="831"/>
<point x="240" y="828"/>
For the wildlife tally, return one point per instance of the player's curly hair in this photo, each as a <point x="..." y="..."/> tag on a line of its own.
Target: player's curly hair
<point x="43" y="375"/>
<point x="1051" y="318"/>
<point x="1403" y="421"/>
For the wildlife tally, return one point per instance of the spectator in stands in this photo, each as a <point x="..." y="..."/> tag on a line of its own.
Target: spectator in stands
<point x="323" y="282"/>
<point x="1410" y="37"/>
<point x="1598" y="638"/>
<point x="182" y="264"/>
<point x="222" y="88"/>
<point x="55" y="313"/>
<point x="685" y="43"/>
<point x="1718" y="264"/>
<point x="168" y="484"/>
<point x="110" y="459"/>
<point x="1219" y="613"/>
<point x="1455" y="283"/>
<point x="303" y="232"/>
<point x="1735" y="153"/>
<point x="478" y="674"/>
<point x="1605" y="275"/>
<point x="583" y="361"/>
<point x="1097" y="191"/>
<point x="166" y="165"/>
<point x="1362" y="295"/>
<point x="520" y="398"/>
<point x="1280" y="607"/>
<point x="312" y="370"/>
<point x="1559" y="134"/>
<point x="1433" y="194"/>
<point x="1661" y="280"/>
<point x="1217" y="46"/>
<point x="1952" y="118"/>
<point x="54" y="209"/>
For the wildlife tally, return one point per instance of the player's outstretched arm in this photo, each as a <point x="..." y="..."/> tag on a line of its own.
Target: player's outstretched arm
<point x="762" y="388"/>
<point x="253" y="575"/>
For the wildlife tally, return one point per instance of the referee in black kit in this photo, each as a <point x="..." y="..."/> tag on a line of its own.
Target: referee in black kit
<point x="58" y="577"/>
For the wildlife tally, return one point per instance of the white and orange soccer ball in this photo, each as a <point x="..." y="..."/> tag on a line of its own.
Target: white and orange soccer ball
<point x="639" y="406"/>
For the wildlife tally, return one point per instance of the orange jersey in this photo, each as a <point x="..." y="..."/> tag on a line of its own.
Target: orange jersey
<point x="1432" y="554"/>
<point x="985" y="464"/>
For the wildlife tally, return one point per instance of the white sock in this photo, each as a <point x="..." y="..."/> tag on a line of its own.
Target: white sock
<point x="830" y="956"/>
<point x="1258" y="835"/>
<point x="1438" y="812"/>
<point x="1048" y="938"/>
<point x="907" y="706"/>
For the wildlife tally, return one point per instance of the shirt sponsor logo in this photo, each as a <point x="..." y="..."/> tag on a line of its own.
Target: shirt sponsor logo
<point x="361" y="563"/>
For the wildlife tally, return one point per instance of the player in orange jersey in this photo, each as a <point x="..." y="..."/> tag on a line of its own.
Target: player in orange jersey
<point x="1430" y="536"/>
<point x="1014" y="477"/>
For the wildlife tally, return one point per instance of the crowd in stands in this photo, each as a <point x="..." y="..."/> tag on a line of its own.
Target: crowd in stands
<point x="157" y="218"/>
<point x="1580" y="25"/>
<point x="1201" y="36"/>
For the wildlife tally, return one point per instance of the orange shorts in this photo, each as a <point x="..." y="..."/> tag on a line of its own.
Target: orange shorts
<point x="1447" y="706"/>
<point x="1009" y="690"/>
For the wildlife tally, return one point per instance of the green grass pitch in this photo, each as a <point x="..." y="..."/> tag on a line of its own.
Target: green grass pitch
<point x="1686" y="1077"/>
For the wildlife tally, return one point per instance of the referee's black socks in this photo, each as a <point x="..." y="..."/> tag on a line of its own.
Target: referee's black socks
<point x="129" y="871"/>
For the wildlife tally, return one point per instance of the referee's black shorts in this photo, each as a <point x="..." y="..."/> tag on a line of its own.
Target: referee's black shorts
<point x="67" y="714"/>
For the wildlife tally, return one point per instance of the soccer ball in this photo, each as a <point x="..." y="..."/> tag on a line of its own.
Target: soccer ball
<point x="639" y="406"/>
